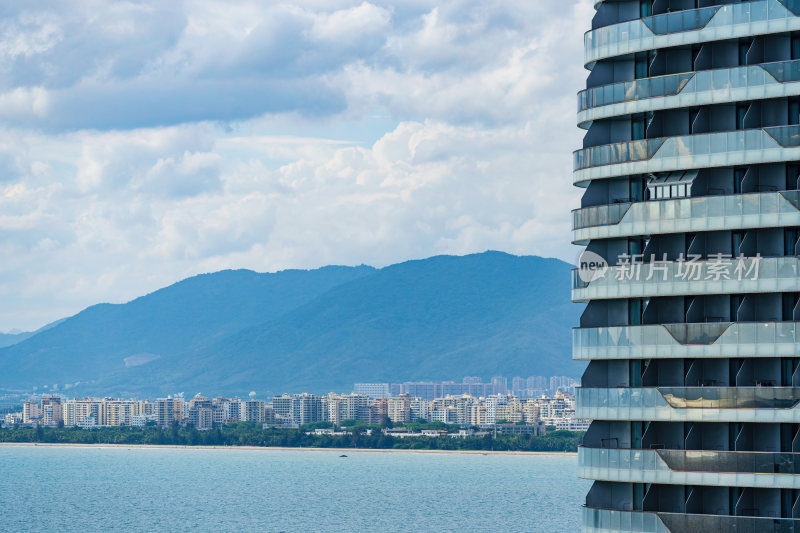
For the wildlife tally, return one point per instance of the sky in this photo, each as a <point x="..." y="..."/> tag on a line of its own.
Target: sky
<point x="143" y="142"/>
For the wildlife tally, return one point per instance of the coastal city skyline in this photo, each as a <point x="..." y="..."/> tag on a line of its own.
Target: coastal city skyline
<point x="294" y="410"/>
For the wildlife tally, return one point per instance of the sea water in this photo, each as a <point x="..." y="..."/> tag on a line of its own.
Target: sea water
<point x="80" y="489"/>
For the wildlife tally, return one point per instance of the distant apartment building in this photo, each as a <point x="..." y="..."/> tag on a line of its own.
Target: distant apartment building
<point x="373" y="390"/>
<point x="354" y="407"/>
<point x="531" y="411"/>
<point x="399" y="409"/>
<point x="253" y="410"/>
<point x="307" y="408"/>
<point x="444" y="414"/>
<point x="75" y="412"/>
<point x="201" y="412"/>
<point x="231" y="409"/>
<point x="492" y="402"/>
<point x="538" y="382"/>
<point x="51" y="411"/>
<point x="563" y="384"/>
<point x="425" y="390"/>
<point x="452" y="409"/>
<point x="379" y="411"/>
<point x="283" y="407"/>
<point x="519" y="385"/>
<point x="169" y="411"/>
<point x="500" y="384"/>
<point x="571" y="424"/>
<point x="477" y="415"/>
<point x="12" y="419"/>
<point x="30" y="412"/>
<point x="420" y="409"/>
<point x="511" y="411"/>
<point x="120" y="412"/>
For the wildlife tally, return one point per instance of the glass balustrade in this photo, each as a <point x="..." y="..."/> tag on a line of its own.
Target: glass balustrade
<point x="731" y="397"/>
<point x="694" y="460"/>
<point x="705" y="81"/>
<point x="633" y="90"/>
<point x="730" y="461"/>
<point x="714" y="276"/>
<point x="601" y="215"/>
<point x="676" y="404"/>
<point x="627" y="521"/>
<point x="705" y="213"/>
<point x="692" y="467"/>
<point x="655" y="522"/>
<point x="690" y="19"/>
<point x="683" y="27"/>
<point x="623" y="152"/>
<point x="685" y="208"/>
<point x="687" y="146"/>
<point x="782" y="71"/>
<point x="728" y="524"/>
<point x="741" y="339"/>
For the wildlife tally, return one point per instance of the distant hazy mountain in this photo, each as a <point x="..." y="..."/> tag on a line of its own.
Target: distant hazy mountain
<point x="7" y="339"/>
<point x="15" y="336"/>
<point x="236" y="331"/>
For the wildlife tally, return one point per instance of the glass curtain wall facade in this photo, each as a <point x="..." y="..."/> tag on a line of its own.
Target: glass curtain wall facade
<point x="690" y="220"/>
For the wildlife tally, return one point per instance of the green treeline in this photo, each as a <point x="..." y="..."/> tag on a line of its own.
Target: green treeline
<point x="249" y="434"/>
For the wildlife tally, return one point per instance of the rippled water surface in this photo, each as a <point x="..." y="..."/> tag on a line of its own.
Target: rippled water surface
<point x="148" y="489"/>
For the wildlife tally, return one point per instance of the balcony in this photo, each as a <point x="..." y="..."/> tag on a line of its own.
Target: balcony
<point x="713" y="340"/>
<point x="724" y="276"/>
<point x="743" y="469"/>
<point x="667" y="154"/>
<point x="688" y="89"/>
<point x="690" y="27"/>
<point x="608" y="520"/>
<point x="705" y="213"/>
<point x="691" y="404"/>
<point x="731" y="397"/>
<point x="731" y="461"/>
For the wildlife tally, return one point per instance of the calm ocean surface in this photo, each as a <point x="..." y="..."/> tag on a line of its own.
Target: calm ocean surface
<point x="145" y="489"/>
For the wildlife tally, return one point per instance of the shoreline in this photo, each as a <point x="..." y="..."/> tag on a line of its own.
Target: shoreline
<point x="279" y="448"/>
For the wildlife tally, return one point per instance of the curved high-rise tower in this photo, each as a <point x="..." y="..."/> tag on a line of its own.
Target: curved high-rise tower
<point x="690" y="218"/>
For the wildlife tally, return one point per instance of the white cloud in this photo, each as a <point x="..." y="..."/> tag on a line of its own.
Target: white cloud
<point x="144" y="143"/>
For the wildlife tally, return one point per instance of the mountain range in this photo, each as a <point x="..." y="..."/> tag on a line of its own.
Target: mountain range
<point x="234" y="331"/>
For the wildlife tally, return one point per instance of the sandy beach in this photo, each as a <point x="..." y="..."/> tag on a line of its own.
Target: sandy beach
<point x="264" y="448"/>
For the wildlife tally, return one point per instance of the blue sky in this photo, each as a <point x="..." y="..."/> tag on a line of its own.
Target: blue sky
<point x="145" y="142"/>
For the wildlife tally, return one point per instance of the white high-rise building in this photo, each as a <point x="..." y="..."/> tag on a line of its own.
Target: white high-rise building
<point x="373" y="390"/>
<point x="690" y="220"/>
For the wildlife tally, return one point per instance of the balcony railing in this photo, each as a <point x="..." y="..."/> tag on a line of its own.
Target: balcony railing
<point x="658" y="522"/>
<point x="740" y="404"/>
<point x="703" y="207"/>
<point x="638" y="34"/>
<point x="689" y="83"/>
<point x="688" y="145"/>
<point x="616" y="93"/>
<point x="731" y="461"/>
<point x="692" y="460"/>
<point x="600" y="215"/>
<point x="650" y="466"/>
<point x="728" y="524"/>
<point x="675" y="278"/>
<point x="688" y="20"/>
<point x="731" y="397"/>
